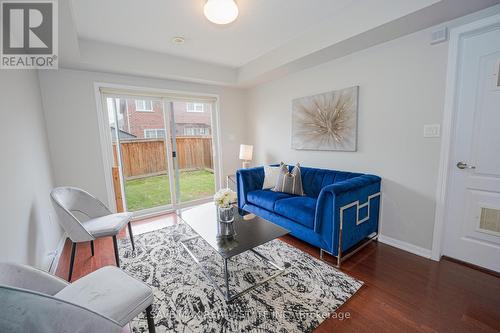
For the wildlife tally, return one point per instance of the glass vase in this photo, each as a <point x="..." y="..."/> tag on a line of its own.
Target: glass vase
<point x="226" y="214"/>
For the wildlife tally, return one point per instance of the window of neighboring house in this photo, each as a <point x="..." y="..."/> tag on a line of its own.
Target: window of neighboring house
<point x="143" y="105"/>
<point x="194" y="107"/>
<point x="154" y="133"/>
<point x="194" y="131"/>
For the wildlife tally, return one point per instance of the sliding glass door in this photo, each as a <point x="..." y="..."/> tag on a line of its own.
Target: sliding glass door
<point x="192" y="142"/>
<point x="139" y="137"/>
<point x="163" y="154"/>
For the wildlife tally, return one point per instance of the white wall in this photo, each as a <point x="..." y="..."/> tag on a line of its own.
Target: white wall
<point x="29" y="230"/>
<point x="72" y="126"/>
<point x="402" y="85"/>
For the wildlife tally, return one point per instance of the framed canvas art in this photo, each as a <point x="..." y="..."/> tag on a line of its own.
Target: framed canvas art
<point x="327" y="121"/>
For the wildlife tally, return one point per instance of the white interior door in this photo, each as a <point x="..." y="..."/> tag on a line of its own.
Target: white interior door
<point x="472" y="224"/>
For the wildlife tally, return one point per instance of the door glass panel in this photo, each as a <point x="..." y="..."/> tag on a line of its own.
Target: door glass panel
<point x="139" y="149"/>
<point x="490" y="220"/>
<point x="192" y="141"/>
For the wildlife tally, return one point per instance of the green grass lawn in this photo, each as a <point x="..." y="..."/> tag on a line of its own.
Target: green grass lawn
<point x="155" y="191"/>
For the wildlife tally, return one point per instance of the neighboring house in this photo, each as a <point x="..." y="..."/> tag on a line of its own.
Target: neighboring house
<point x="144" y="119"/>
<point x="192" y="119"/>
<point x="121" y="134"/>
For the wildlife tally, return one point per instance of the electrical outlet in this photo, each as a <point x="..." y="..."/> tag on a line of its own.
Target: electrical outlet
<point x="432" y="131"/>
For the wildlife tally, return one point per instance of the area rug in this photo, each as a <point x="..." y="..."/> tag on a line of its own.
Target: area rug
<point x="185" y="300"/>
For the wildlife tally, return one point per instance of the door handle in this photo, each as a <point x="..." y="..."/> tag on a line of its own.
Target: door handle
<point x="463" y="165"/>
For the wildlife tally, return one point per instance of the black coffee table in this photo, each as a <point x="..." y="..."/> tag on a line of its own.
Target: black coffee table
<point x="249" y="233"/>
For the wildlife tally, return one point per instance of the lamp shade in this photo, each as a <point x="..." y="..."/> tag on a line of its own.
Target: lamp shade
<point x="246" y="152"/>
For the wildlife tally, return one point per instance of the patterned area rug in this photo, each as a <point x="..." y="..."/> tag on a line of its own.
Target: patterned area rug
<point x="185" y="300"/>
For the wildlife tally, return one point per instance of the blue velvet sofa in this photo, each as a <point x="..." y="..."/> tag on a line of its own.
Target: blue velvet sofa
<point x="338" y="211"/>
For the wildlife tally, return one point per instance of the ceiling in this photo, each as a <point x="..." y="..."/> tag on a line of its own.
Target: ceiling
<point x="262" y="26"/>
<point x="270" y="38"/>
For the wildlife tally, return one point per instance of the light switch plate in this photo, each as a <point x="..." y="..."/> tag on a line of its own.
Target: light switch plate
<point x="432" y="131"/>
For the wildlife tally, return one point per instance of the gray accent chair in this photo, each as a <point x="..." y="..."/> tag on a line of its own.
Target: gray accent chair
<point x="97" y="221"/>
<point x="105" y="300"/>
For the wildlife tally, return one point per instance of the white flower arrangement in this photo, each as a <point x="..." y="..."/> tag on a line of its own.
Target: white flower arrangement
<point x="225" y="197"/>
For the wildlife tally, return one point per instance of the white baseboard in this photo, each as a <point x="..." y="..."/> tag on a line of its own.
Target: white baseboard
<point x="420" y="251"/>
<point x="57" y="254"/>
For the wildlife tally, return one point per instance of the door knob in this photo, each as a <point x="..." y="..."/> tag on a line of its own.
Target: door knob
<point x="463" y="165"/>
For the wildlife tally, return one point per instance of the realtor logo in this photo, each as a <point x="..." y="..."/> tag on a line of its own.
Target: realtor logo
<point x="29" y="34"/>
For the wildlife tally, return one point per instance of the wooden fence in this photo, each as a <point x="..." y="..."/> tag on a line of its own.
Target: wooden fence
<point x="145" y="157"/>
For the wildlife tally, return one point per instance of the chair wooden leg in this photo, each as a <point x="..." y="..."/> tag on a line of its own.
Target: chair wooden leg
<point x="151" y="321"/>
<point x="131" y="235"/>
<point x="92" y="247"/>
<point x="71" y="260"/>
<point x="115" y="244"/>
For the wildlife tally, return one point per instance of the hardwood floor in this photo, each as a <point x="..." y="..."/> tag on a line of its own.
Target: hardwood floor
<point x="104" y="252"/>
<point x="402" y="292"/>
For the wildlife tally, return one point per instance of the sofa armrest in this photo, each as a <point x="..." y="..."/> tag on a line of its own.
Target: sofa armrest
<point x="351" y="184"/>
<point x="355" y="202"/>
<point x="248" y="180"/>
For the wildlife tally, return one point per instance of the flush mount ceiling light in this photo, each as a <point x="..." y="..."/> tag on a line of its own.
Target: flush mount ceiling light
<point x="221" y="11"/>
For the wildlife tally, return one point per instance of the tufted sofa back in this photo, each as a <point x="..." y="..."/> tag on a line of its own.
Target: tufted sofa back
<point x="313" y="179"/>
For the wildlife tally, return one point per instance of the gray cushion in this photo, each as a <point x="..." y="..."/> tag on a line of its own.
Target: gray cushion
<point x="108" y="225"/>
<point x="110" y="292"/>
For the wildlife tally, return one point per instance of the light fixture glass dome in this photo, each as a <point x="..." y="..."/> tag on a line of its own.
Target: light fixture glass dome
<point x="221" y="11"/>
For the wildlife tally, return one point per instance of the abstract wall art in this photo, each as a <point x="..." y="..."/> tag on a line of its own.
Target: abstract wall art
<point x="327" y="121"/>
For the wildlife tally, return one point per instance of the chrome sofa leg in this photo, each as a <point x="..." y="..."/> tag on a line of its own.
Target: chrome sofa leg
<point x="321" y="257"/>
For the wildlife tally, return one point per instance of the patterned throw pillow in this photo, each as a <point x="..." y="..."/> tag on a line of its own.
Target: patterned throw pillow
<point x="271" y="174"/>
<point x="289" y="182"/>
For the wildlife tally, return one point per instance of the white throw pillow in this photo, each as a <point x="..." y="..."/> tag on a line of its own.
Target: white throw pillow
<point x="271" y="174"/>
